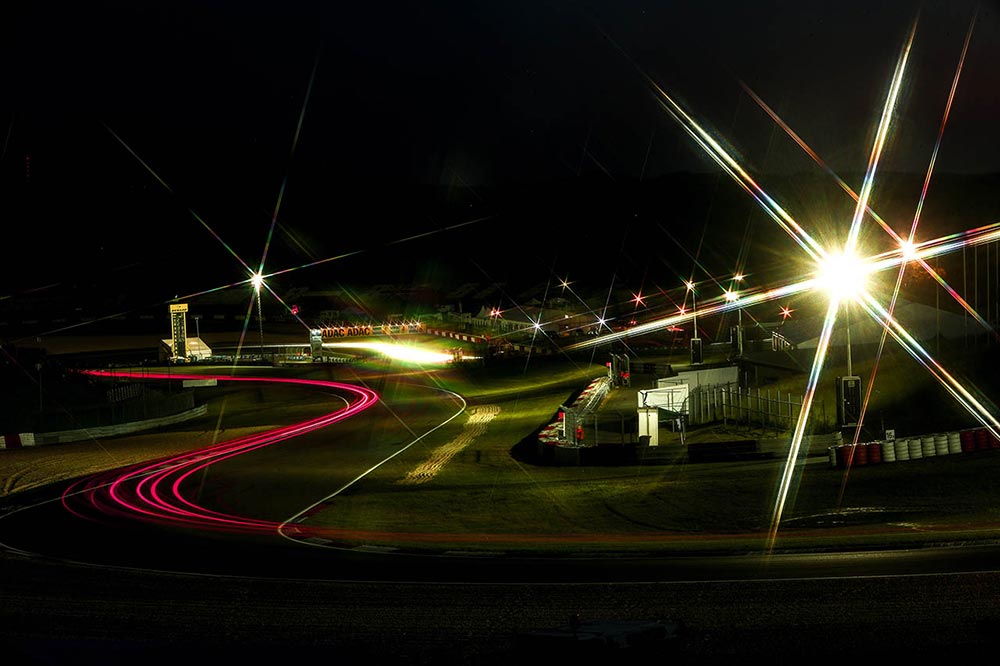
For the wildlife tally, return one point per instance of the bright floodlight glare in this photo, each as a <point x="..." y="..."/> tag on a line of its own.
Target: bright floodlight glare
<point x="257" y="280"/>
<point x="732" y="296"/>
<point x="399" y="352"/>
<point x="909" y="250"/>
<point x="843" y="275"/>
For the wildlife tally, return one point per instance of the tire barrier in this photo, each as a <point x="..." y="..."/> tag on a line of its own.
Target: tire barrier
<point x="888" y="451"/>
<point x="847" y="454"/>
<point x="868" y="453"/>
<point x="913" y="448"/>
<point x="968" y="438"/>
<point x="927" y="446"/>
<point x="954" y="442"/>
<point x="902" y="447"/>
<point x="874" y="450"/>
<point x="941" y="444"/>
<point x="985" y="440"/>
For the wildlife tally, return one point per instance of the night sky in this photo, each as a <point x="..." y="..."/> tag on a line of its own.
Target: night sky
<point x="499" y="138"/>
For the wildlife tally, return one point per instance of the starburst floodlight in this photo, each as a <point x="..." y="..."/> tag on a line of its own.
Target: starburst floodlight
<point x="257" y="280"/>
<point x="908" y="249"/>
<point x="843" y="275"/>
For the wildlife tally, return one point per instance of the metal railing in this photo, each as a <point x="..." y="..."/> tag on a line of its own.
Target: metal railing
<point x="732" y="404"/>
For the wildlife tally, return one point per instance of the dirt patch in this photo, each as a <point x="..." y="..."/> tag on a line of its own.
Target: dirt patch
<point x="27" y="468"/>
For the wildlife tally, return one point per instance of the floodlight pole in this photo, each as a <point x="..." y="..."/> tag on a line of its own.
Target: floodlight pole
<point x="738" y="278"/>
<point x="739" y="330"/>
<point x="850" y="373"/>
<point x="695" y="340"/>
<point x="260" y="325"/>
<point x="694" y="313"/>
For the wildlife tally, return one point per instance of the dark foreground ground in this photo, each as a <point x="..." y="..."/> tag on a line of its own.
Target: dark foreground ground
<point x="60" y="613"/>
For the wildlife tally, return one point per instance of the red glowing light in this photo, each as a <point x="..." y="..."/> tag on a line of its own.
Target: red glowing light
<point x="152" y="491"/>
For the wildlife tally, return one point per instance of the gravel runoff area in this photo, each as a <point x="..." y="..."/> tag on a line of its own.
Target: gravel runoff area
<point x="30" y="467"/>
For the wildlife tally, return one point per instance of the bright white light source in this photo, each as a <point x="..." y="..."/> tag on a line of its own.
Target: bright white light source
<point x="399" y="352"/>
<point x="256" y="280"/>
<point x="731" y="296"/>
<point x="843" y="276"/>
<point x="909" y="250"/>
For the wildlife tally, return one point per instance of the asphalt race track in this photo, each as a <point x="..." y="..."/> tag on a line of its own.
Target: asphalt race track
<point x="95" y="585"/>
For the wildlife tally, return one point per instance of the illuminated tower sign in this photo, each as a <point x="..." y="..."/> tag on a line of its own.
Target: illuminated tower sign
<point x="178" y="329"/>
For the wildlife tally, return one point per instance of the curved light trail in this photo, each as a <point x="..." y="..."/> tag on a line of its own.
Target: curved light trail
<point x="152" y="491"/>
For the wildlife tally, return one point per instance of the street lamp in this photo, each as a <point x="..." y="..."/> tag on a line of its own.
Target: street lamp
<point x="696" y="351"/>
<point x="257" y="280"/>
<point x="732" y="297"/>
<point x="738" y="278"/>
<point x="694" y="306"/>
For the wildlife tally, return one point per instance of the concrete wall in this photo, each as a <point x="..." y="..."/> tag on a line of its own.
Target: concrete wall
<point x="111" y="431"/>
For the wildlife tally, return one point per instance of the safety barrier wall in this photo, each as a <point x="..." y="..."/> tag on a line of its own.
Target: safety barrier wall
<point x="912" y="448"/>
<point x="17" y="440"/>
<point x="464" y="337"/>
<point x="588" y="400"/>
<point x="32" y="439"/>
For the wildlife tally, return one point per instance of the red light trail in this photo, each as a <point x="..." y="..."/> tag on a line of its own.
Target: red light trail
<point x="152" y="491"/>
